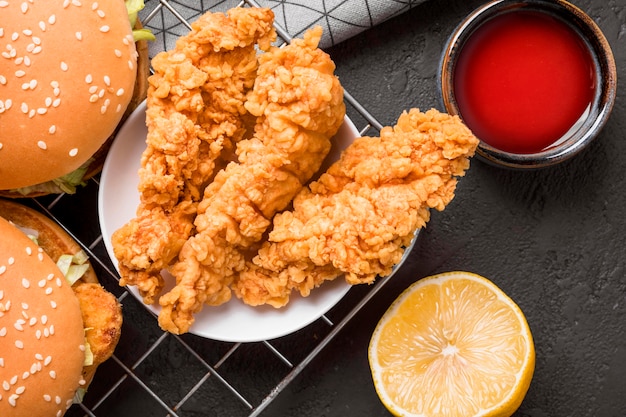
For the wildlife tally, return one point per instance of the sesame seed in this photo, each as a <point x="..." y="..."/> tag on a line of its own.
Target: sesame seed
<point x="73" y="152"/>
<point x="76" y="3"/>
<point x="25" y="375"/>
<point x="48" y="101"/>
<point x="48" y="291"/>
<point x="47" y="361"/>
<point x="24" y="108"/>
<point x="82" y="382"/>
<point x="53" y="304"/>
<point x="38" y="336"/>
<point x="42" y="145"/>
<point x="101" y="93"/>
<point x="18" y="325"/>
<point x="15" y="36"/>
<point x="118" y="108"/>
<point x="47" y="398"/>
<point x="104" y="29"/>
<point x="4" y="3"/>
<point x="103" y="109"/>
<point x="52" y="19"/>
<point x="36" y="49"/>
<point x="25" y="306"/>
<point x="27" y="61"/>
<point x="89" y="79"/>
<point x="19" y="344"/>
<point x="24" y="7"/>
<point x="59" y="282"/>
<point x="20" y="390"/>
<point x="31" y="113"/>
<point x="131" y="64"/>
<point x="3" y="80"/>
<point x="3" y="332"/>
<point x="66" y="4"/>
<point x="42" y="26"/>
<point x="41" y="283"/>
<point x="52" y="374"/>
<point x="1" y="291"/>
<point x="36" y="40"/>
<point x="32" y="321"/>
<point x="79" y="36"/>
<point x="40" y="256"/>
<point x="52" y="129"/>
<point x="120" y="92"/>
<point x="93" y="89"/>
<point x="25" y="283"/>
<point x="46" y="332"/>
<point x="42" y="110"/>
<point x="20" y="73"/>
<point x="57" y="399"/>
<point x="93" y="98"/>
<point x="125" y="41"/>
<point x="33" y="84"/>
<point x="101" y="13"/>
<point x="6" y="386"/>
<point x="56" y="102"/>
<point x="63" y="66"/>
<point x="13" y="399"/>
<point x="30" y="47"/>
<point x="118" y="53"/>
<point x="29" y="250"/>
<point x="8" y="103"/>
<point x="25" y="86"/>
<point x="19" y="60"/>
<point x="107" y="80"/>
<point x="13" y="380"/>
<point x="1" y="362"/>
<point x="44" y="319"/>
<point x="94" y="5"/>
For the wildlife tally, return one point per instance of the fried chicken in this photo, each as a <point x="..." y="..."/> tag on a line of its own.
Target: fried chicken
<point x="298" y="102"/>
<point x="359" y="216"/>
<point x="195" y="116"/>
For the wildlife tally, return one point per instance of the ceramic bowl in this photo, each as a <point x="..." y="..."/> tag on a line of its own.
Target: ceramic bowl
<point x="601" y="103"/>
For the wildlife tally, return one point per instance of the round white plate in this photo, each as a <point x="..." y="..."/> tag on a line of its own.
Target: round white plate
<point x="233" y="321"/>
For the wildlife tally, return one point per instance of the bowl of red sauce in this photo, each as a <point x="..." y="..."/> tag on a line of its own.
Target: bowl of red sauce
<point x="534" y="80"/>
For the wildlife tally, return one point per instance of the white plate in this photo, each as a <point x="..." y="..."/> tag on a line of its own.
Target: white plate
<point x="233" y="321"/>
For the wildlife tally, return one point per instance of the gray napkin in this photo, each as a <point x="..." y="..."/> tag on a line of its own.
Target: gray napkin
<point x="340" y="19"/>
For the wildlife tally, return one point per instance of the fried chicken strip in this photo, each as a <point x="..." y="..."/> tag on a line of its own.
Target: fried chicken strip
<point x="359" y="216"/>
<point x="195" y="115"/>
<point x="299" y="106"/>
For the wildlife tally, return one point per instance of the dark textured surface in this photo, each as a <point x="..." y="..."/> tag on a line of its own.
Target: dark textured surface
<point x="553" y="239"/>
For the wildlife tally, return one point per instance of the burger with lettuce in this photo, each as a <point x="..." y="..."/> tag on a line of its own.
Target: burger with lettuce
<point x="57" y="323"/>
<point x="72" y="72"/>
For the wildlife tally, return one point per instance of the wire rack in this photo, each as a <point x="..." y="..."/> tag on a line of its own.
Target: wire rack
<point x="153" y="373"/>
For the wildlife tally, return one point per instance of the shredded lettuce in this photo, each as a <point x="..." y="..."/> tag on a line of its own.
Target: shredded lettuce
<point x="74" y="266"/>
<point x="133" y="7"/>
<point x="65" y="184"/>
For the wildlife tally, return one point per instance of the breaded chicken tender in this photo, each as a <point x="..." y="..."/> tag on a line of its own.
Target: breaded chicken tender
<point x="298" y="102"/>
<point x="195" y="116"/>
<point x="359" y="216"/>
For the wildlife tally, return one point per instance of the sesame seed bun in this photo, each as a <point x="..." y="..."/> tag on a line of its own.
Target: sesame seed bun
<point x="69" y="75"/>
<point x="42" y="347"/>
<point x="89" y="315"/>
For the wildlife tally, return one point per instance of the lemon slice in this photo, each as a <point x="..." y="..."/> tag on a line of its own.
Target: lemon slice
<point x="452" y="345"/>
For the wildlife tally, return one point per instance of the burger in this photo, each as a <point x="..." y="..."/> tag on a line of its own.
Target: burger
<point x="72" y="72"/>
<point x="57" y="323"/>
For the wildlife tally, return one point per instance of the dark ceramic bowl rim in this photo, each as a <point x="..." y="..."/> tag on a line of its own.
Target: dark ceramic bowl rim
<point x="605" y="68"/>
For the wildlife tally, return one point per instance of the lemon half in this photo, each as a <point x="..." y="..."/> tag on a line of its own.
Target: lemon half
<point x="452" y="345"/>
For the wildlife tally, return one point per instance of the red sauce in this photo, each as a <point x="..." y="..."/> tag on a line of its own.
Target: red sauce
<point x="522" y="80"/>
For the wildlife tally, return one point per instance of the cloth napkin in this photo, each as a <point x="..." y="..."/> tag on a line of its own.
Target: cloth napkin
<point x="340" y="19"/>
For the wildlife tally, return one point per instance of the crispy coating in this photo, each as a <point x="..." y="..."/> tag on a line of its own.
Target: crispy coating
<point x="298" y="102"/>
<point x="195" y="115"/>
<point x="102" y="319"/>
<point x="359" y="216"/>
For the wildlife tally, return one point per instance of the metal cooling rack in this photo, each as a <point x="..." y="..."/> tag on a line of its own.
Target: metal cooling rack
<point x="153" y="373"/>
